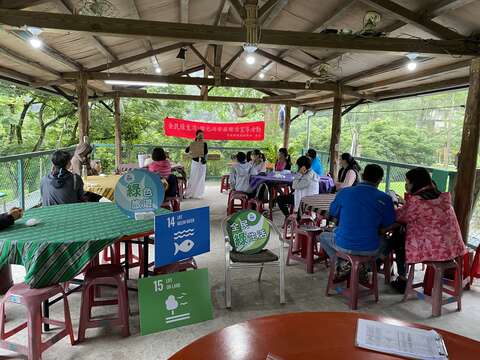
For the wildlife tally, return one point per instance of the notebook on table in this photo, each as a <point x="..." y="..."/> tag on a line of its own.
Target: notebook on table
<point x="403" y="341"/>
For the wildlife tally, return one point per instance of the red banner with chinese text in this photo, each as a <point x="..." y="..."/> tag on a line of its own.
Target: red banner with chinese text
<point x="249" y="131"/>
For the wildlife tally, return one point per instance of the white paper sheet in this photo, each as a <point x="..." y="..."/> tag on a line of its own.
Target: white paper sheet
<point x="400" y="340"/>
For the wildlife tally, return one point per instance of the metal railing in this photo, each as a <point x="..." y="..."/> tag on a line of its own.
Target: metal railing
<point x="20" y="177"/>
<point x="394" y="178"/>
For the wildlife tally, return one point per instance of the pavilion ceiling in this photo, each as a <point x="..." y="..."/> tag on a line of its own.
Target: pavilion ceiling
<point x="297" y="63"/>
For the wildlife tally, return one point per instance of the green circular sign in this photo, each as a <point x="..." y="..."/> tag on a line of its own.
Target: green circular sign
<point x="248" y="231"/>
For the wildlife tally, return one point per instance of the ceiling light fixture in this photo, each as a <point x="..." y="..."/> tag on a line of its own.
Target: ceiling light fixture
<point x="412" y="64"/>
<point x="261" y="75"/>
<point x="135" y="83"/>
<point x="182" y="54"/>
<point x="158" y="70"/>
<point x="250" y="60"/>
<point x="35" y="41"/>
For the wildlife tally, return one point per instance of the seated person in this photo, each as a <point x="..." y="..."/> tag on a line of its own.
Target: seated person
<point x="316" y="164"/>
<point x="432" y="230"/>
<point x="240" y="175"/>
<point x="305" y="183"/>
<point x="348" y="173"/>
<point x="161" y="165"/>
<point x="10" y="217"/>
<point x="361" y="211"/>
<point x="61" y="186"/>
<point x="283" y="162"/>
<point x="81" y="158"/>
<point x="257" y="162"/>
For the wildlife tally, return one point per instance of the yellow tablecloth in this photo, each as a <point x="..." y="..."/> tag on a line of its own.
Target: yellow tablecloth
<point x="102" y="185"/>
<point x="105" y="185"/>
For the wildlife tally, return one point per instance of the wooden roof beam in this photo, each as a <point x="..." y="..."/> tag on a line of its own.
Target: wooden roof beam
<point x="232" y="35"/>
<point x="35" y="64"/>
<point x="172" y="79"/>
<point x="286" y="63"/>
<point x="242" y="100"/>
<point x="54" y="54"/>
<point x="417" y="75"/>
<point x="141" y="56"/>
<point x="20" y="4"/>
<point x="413" y="18"/>
<point x="238" y="8"/>
<point x="265" y="8"/>
<point x="202" y="58"/>
<point x="67" y="6"/>
<point x="443" y="6"/>
<point x="424" y="88"/>
<point x="271" y="15"/>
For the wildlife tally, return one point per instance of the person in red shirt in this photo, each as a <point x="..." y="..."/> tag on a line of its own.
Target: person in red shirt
<point x="161" y="165"/>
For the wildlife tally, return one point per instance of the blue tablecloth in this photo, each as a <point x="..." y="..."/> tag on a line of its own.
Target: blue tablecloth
<point x="326" y="182"/>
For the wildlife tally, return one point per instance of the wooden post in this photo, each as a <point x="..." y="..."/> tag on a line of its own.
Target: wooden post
<point x="336" y="130"/>
<point x="286" y="126"/>
<point x="467" y="162"/>
<point x="118" y="133"/>
<point x="83" y="115"/>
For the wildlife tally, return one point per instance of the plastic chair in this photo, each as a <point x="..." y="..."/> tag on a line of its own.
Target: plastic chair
<point x="437" y="300"/>
<point x="352" y="291"/>
<point x="224" y="183"/>
<point x="235" y="260"/>
<point x="32" y="299"/>
<point x="107" y="275"/>
<point x="232" y="206"/>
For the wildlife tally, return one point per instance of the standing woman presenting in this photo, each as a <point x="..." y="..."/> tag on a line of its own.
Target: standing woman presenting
<point x="198" y="151"/>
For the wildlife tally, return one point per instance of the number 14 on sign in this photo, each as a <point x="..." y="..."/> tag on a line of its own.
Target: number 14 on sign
<point x="171" y="222"/>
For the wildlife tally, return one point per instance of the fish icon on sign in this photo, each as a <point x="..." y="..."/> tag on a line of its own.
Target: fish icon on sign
<point x="185" y="246"/>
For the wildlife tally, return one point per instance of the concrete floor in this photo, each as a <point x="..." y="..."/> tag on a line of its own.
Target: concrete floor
<point x="250" y="299"/>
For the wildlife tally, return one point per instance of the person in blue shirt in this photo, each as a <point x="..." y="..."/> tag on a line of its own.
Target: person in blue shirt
<point x="362" y="211"/>
<point x="316" y="164"/>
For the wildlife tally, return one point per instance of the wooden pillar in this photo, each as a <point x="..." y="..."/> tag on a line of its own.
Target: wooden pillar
<point x="336" y="130"/>
<point x="467" y="162"/>
<point x="286" y="126"/>
<point x="118" y="132"/>
<point x="83" y="111"/>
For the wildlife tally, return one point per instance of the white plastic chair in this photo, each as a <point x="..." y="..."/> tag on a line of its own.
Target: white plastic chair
<point x="260" y="260"/>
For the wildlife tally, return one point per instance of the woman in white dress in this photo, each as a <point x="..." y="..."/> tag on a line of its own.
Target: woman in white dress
<point x="198" y="151"/>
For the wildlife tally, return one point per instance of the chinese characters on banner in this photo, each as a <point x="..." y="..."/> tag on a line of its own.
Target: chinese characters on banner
<point x="249" y="131"/>
<point x="139" y="191"/>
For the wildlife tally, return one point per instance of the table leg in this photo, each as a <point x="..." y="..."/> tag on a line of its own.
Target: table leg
<point x="127" y="259"/>
<point x="46" y="313"/>
<point x="145" y="255"/>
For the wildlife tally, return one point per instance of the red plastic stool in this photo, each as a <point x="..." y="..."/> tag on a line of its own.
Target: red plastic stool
<point x="352" y="291"/>
<point x="224" y="183"/>
<point x="182" y="265"/>
<point x="258" y="206"/>
<point x="171" y="203"/>
<point x="386" y="269"/>
<point x="104" y="275"/>
<point x="306" y="243"/>
<point x="437" y="300"/>
<point x="234" y="207"/>
<point x="32" y="299"/>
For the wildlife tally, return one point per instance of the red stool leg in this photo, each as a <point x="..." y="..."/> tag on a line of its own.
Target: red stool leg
<point x="34" y="332"/>
<point x="84" y="312"/>
<point x="354" y="285"/>
<point x="68" y="319"/>
<point x="459" y="284"/>
<point x="309" y="243"/>
<point x="373" y="264"/>
<point x="331" y="277"/>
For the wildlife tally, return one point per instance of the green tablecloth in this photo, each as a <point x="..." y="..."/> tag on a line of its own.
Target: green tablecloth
<point x="66" y="240"/>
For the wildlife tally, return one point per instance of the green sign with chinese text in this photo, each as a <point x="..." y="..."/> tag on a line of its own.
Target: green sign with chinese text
<point x="248" y="231"/>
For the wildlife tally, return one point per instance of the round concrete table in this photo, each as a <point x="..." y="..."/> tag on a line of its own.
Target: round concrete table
<point x="305" y="336"/>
